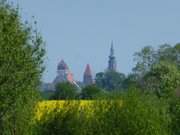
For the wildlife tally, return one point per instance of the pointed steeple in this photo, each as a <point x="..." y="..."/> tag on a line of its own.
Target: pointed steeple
<point x="112" y="49"/>
<point x="88" y="78"/>
<point x="112" y="59"/>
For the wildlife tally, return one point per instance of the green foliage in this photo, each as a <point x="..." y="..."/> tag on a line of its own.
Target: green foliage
<point x="175" y="115"/>
<point x="145" y="114"/>
<point x="21" y="58"/>
<point x="110" y="80"/>
<point x="145" y="58"/>
<point x="46" y="94"/>
<point x="148" y="56"/>
<point x="100" y="81"/>
<point x="131" y="81"/>
<point x="163" y="79"/>
<point x="91" y="92"/>
<point x="62" y="122"/>
<point x="21" y="66"/>
<point x="131" y="113"/>
<point x="65" y="90"/>
<point x="139" y="114"/>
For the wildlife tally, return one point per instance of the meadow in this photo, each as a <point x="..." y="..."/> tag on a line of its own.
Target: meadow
<point x="126" y="115"/>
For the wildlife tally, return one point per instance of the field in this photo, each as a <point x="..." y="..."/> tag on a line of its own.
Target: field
<point x="102" y="117"/>
<point x="46" y="107"/>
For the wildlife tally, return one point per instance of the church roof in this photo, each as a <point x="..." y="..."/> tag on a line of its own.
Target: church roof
<point x="62" y="65"/>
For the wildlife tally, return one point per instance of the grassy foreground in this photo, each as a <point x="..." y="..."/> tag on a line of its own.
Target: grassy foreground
<point x="127" y="115"/>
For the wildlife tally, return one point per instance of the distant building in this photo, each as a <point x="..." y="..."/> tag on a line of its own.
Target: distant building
<point x="64" y="74"/>
<point x="112" y="65"/>
<point x="88" y="78"/>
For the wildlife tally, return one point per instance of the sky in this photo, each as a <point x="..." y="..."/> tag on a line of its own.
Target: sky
<point x="80" y="31"/>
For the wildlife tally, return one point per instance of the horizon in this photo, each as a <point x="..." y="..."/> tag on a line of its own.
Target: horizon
<point x="80" y="32"/>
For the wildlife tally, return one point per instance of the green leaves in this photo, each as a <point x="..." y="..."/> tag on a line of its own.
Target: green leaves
<point x="91" y="92"/>
<point x="148" y="56"/>
<point x="21" y="56"/>
<point x="110" y="80"/>
<point x="163" y="79"/>
<point x="65" y="90"/>
<point x="132" y="113"/>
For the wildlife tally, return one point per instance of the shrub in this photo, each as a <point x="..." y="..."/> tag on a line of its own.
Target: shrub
<point x="21" y="66"/>
<point x="65" y="90"/>
<point x="175" y="115"/>
<point x="91" y="92"/>
<point x="131" y="113"/>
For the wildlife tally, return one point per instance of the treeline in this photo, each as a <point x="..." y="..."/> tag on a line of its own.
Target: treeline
<point x="156" y="71"/>
<point x="132" y="112"/>
<point x="146" y="102"/>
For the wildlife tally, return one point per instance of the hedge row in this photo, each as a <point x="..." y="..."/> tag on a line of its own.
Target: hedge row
<point x="131" y="114"/>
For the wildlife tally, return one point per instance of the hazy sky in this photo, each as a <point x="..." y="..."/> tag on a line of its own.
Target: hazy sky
<point x="80" y="31"/>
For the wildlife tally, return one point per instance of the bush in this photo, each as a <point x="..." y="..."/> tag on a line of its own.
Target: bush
<point x="131" y="113"/>
<point x="65" y="90"/>
<point x="139" y="114"/>
<point x="91" y="92"/>
<point x="163" y="79"/>
<point x="21" y="66"/>
<point x="175" y="115"/>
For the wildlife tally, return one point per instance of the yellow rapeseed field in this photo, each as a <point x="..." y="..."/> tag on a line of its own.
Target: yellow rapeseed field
<point x="46" y="107"/>
<point x="43" y="108"/>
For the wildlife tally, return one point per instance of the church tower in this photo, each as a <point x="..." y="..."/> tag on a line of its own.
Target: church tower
<point x="88" y="78"/>
<point x="63" y="73"/>
<point x="112" y="59"/>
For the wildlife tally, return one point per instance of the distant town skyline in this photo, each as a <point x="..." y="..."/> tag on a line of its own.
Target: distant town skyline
<point x="80" y="32"/>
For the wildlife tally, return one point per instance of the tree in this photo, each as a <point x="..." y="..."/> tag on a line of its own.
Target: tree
<point x="148" y="56"/>
<point x="91" y="92"/>
<point x="110" y="80"/>
<point x="130" y="113"/>
<point x="165" y="52"/>
<point x="131" y="81"/>
<point x="163" y="79"/>
<point x="140" y="114"/>
<point x="21" y="66"/>
<point x="65" y="90"/>
<point x="177" y="52"/>
<point x="100" y="79"/>
<point x="175" y="115"/>
<point x="145" y="58"/>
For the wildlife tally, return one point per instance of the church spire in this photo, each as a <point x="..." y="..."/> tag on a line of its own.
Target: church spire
<point x="112" y="59"/>
<point x="112" y="49"/>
